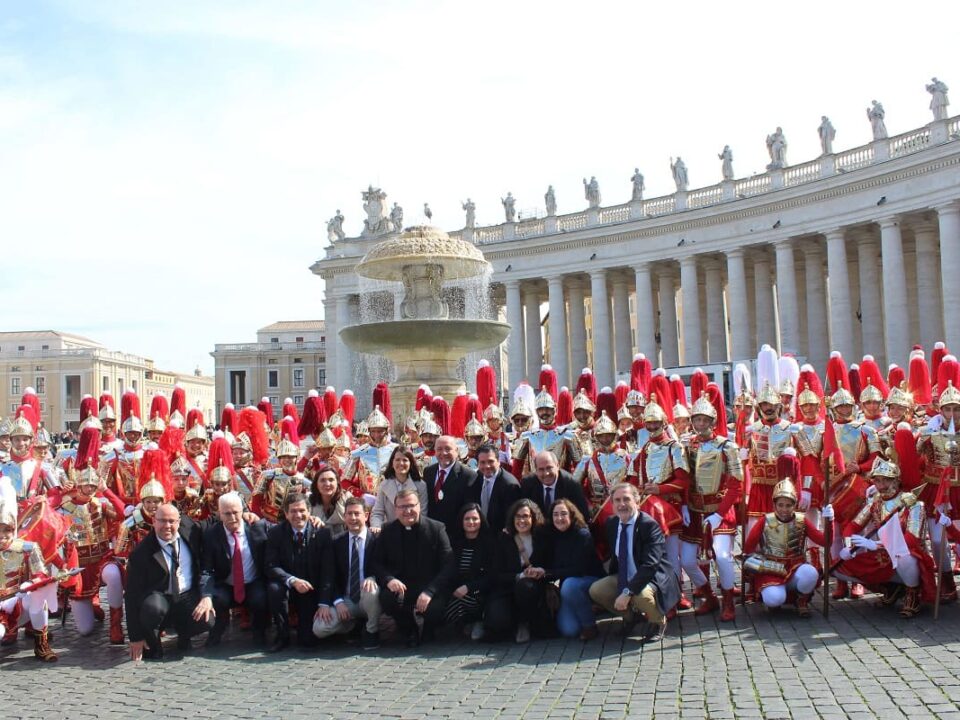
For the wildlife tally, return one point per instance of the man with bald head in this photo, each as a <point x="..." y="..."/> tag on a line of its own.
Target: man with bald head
<point x="449" y="483"/>
<point x="233" y="569"/>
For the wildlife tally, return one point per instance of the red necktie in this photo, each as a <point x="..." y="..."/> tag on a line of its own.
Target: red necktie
<point x="438" y="488"/>
<point x="239" y="587"/>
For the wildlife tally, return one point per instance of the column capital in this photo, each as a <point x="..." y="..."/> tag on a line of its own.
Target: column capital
<point x="713" y="264"/>
<point x="948" y="208"/>
<point x="619" y="280"/>
<point x="924" y="225"/>
<point x="596" y="273"/>
<point x="834" y="234"/>
<point x="734" y="252"/>
<point x="784" y="242"/>
<point x="511" y="283"/>
<point x="688" y="261"/>
<point x="643" y="266"/>
<point x="556" y="278"/>
<point x="889" y="221"/>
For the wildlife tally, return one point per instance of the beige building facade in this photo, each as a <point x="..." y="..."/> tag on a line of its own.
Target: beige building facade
<point x="288" y="359"/>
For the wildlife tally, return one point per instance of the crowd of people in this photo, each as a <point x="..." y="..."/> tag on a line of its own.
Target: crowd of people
<point x="618" y="500"/>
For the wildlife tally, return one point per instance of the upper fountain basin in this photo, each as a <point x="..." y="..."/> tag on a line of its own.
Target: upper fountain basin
<point x="422" y="244"/>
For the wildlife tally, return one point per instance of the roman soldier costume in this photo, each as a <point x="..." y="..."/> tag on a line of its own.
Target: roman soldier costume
<point x="767" y="438"/>
<point x="277" y="482"/>
<point x="368" y="462"/>
<point x="496" y="435"/>
<point x="583" y="425"/>
<point x="548" y="437"/>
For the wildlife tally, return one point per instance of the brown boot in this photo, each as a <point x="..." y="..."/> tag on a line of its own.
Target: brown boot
<point x="948" y="587"/>
<point x="840" y="591"/>
<point x="710" y="602"/>
<point x="911" y="603"/>
<point x="803" y="606"/>
<point x="728" y="611"/>
<point x="41" y="647"/>
<point x="116" y="625"/>
<point x="891" y="594"/>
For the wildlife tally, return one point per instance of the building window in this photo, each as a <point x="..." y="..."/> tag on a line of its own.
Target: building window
<point x="298" y="400"/>
<point x="14" y="387"/>
<point x="119" y="387"/>
<point x="298" y="377"/>
<point x="271" y="361"/>
<point x="275" y="340"/>
<point x="133" y="384"/>
<point x="297" y="361"/>
<point x="274" y="400"/>
<point x="273" y="378"/>
<point x="13" y="407"/>
<point x="41" y="384"/>
<point x="322" y="378"/>
<point x="105" y="385"/>
<point x="44" y="347"/>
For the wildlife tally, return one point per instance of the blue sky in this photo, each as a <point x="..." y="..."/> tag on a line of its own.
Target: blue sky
<point x="169" y="167"/>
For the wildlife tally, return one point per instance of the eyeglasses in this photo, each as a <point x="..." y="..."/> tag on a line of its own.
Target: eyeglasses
<point x="407" y="508"/>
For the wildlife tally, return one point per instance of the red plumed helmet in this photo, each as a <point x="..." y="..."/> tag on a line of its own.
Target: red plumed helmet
<point x="905" y="445"/>
<point x="194" y="417"/>
<point x="895" y="376"/>
<point x="348" y="407"/>
<point x="679" y="390"/>
<point x="330" y="403"/>
<point x="266" y="407"/>
<point x="155" y="468"/>
<point x="715" y="396"/>
<point x="441" y="414"/>
<point x="228" y="419"/>
<point x="919" y="383"/>
<point x="458" y="410"/>
<point x="948" y="372"/>
<point x="698" y="383"/>
<point x="178" y="403"/>
<point x="641" y="371"/>
<point x="314" y="417"/>
<point x="936" y="357"/>
<point x="660" y="387"/>
<point x="171" y="440"/>
<point x="837" y="374"/>
<point x="870" y="375"/>
<point x="809" y="380"/>
<point x="381" y="397"/>
<point x="159" y="407"/>
<point x="564" y="406"/>
<point x="548" y="381"/>
<point x="588" y="383"/>
<point x="219" y="455"/>
<point x="606" y="403"/>
<point x="88" y="448"/>
<point x="856" y="385"/>
<point x="253" y="424"/>
<point x="106" y="399"/>
<point x="486" y="384"/>
<point x="29" y="414"/>
<point x="290" y="410"/>
<point x="88" y="407"/>
<point x="30" y="398"/>
<point x="788" y="467"/>
<point x="129" y="406"/>
<point x="424" y="397"/>
<point x="472" y="409"/>
<point x="288" y="430"/>
<point x="620" y="392"/>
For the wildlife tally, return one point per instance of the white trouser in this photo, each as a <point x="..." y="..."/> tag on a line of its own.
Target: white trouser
<point x="82" y="610"/>
<point x="907" y="573"/>
<point x="35" y="606"/>
<point x="673" y="553"/>
<point x="723" y="556"/>
<point x="803" y="581"/>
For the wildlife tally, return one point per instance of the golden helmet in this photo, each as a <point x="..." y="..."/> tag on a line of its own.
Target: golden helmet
<point x="703" y="406"/>
<point x="242" y="441"/>
<point x="635" y="399"/>
<point x="582" y="402"/>
<point x="474" y="428"/>
<point x="624" y="413"/>
<point x="885" y="468"/>
<point x="842" y="397"/>
<point x="156" y="424"/>
<point x="680" y="411"/>
<point x="545" y="400"/>
<point x="153" y="488"/>
<point x="605" y="426"/>
<point x="785" y="489"/>
<point x="335" y="420"/>
<point x="5" y="427"/>
<point x="808" y="397"/>
<point x="87" y="476"/>
<point x="377" y="419"/>
<point x="899" y="396"/>
<point x="326" y="439"/>
<point x="430" y="427"/>
<point x="768" y="394"/>
<point x="21" y="426"/>
<point x="950" y="396"/>
<point x="132" y="424"/>
<point x="871" y="394"/>
<point x="787" y="387"/>
<point x="287" y="449"/>
<point x="520" y="408"/>
<point x="180" y="466"/>
<point x="410" y="423"/>
<point x="42" y="438"/>
<point x="424" y="415"/>
<point x="197" y="432"/>
<point x="653" y="412"/>
<point x="362" y="430"/>
<point x="92" y="421"/>
<point x="107" y="412"/>
<point x="220" y="474"/>
<point x="493" y="412"/>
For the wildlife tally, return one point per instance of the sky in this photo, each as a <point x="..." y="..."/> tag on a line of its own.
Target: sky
<point x="167" y="169"/>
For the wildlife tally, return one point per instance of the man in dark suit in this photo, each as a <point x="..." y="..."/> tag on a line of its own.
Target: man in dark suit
<point x="163" y="585"/>
<point x="355" y="591"/>
<point x="449" y="483"/>
<point x="299" y="570"/>
<point x="495" y="489"/>
<point x="415" y="568"/>
<point x="642" y="580"/>
<point x="232" y="548"/>
<point x="551" y="483"/>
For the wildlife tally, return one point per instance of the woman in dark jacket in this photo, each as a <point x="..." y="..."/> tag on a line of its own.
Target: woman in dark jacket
<point x="519" y="598"/>
<point x="474" y="547"/>
<point x="575" y="564"/>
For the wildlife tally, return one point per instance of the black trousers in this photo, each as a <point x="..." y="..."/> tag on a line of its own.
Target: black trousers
<point x="402" y="612"/>
<point x="525" y="604"/>
<point x="161" y="611"/>
<point x="255" y="601"/>
<point x="279" y="598"/>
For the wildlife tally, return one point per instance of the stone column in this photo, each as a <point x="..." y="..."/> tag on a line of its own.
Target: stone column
<point x="330" y="333"/>
<point x="516" y="344"/>
<point x="345" y="375"/>
<point x="871" y="304"/>
<point x="531" y="311"/>
<point x="600" y="304"/>
<point x="558" y="329"/>
<point x="669" y="342"/>
<point x="644" y="308"/>
<point x="740" y="339"/>
<point x="716" y="322"/>
<point x="818" y="350"/>
<point x="578" y="330"/>
<point x="896" y="317"/>
<point x="787" y="298"/>
<point x="949" y="217"/>
<point x="928" y="284"/>
<point x="623" y="338"/>
<point x="841" y="314"/>
<point x="692" y="329"/>
<point x="763" y="302"/>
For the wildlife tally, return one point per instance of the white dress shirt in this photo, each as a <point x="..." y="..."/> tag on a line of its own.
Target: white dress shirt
<point x="249" y="568"/>
<point x="361" y="550"/>
<point x="185" y="561"/>
<point x="631" y="565"/>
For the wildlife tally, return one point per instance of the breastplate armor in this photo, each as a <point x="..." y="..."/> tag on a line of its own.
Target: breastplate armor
<point x="938" y="456"/>
<point x="713" y="459"/>
<point x="913" y="517"/>
<point x="661" y="460"/>
<point x="850" y="437"/>
<point x="89" y="531"/>
<point x="784" y="539"/>
<point x="126" y="470"/>
<point x="374" y="459"/>
<point x="274" y="486"/>
<point x="20" y="475"/>
<point x="767" y="442"/>
<point x="18" y="563"/>
<point x="810" y="439"/>
<point x="613" y="468"/>
<point x="423" y="460"/>
<point x="583" y="437"/>
<point x="132" y="530"/>
<point x="198" y="473"/>
<point x="190" y="505"/>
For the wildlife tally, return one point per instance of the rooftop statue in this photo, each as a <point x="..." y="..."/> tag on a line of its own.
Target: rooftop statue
<point x="827" y="134"/>
<point x="876" y="114"/>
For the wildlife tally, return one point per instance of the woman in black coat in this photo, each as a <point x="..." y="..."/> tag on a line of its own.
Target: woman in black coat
<point x="576" y="565"/>
<point x="519" y="598"/>
<point x="474" y="547"/>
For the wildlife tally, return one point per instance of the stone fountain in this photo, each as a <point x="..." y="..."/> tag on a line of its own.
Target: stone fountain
<point x="426" y="345"/>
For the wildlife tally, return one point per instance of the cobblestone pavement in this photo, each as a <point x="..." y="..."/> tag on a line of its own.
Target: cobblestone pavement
<point x="864" y="662"/>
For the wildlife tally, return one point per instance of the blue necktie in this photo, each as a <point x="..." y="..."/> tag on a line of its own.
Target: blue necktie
<point x="623" y="557"/>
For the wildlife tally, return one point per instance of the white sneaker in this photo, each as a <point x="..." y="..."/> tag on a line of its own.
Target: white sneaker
<point x="477" y="632"/>
<point x="523" y="633"/>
